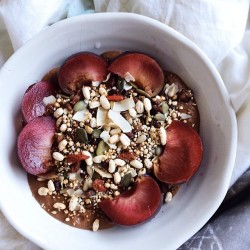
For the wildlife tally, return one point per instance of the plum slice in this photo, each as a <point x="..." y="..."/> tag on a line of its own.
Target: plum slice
<point x="182" y="154"/>
<point x="79" y="69"/>
<point x="34" y="145"/>
<point x="147" y="73"/>
<point x="32" y="102"/>
<point x="136" y="205"/>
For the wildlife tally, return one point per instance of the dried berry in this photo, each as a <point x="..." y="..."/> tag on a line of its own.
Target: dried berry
<point x="98" y="185"/>
<point x="129" y="156"/>
<point x="115" y="98"/>
<point x="74" y="158"/>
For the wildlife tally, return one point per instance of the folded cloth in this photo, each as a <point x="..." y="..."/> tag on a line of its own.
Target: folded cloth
<point x="217" y="27"/>
<point x="5" y="45"/>
<point x="34" y="16"/>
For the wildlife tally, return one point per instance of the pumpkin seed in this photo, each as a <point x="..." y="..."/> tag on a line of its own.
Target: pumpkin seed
<point x="81" y="105"/>
<point x="96" y="133"/>
<point x="139" y="91"/>
<point x="142" y="92"/>
<point x="102" y="148"/>
<point x="133" y="85"/>
<point x="65" y="96"/>
<point x="127" y="179"/>
<point x="48" y="176"/>
<point x="120" y="84"/>
<point x="158" y="150"/>
<point x="164" y="107"/>
<point x="153" y="151"/>
<point x="159" y="117"/>
<point x="81" y="135"/>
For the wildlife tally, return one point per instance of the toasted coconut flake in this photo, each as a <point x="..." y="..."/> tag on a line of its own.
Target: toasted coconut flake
<point x="70" y="192"/>
<point x="184" y="116"/>
<point x="72" y="176"/>
<point x="171" y="90"/>
<point x="81" y="115"/>
<point x="121" y="122"/>
<point x="49" y="100"/>
<point x="105" y="137"/>
<point x="127" y="86"/>
<point x="101" y="116"/>
<point x="78" y="193"/>
<point x="107" y="78"/>
<point x="95" y="83"/>
<point x="133" y="171"/>
<point x="128" y="77"/>
<point x="124" y="105"/>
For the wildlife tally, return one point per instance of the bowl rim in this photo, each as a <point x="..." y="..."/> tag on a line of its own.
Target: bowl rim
<point x="176" y="35"/>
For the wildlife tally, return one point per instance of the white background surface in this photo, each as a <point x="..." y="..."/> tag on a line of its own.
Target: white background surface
<point x="219" y="29"/>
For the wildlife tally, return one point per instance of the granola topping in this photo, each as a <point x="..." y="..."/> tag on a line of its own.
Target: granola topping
<point x="97" y="127"/>
<point x="107" y="137"/>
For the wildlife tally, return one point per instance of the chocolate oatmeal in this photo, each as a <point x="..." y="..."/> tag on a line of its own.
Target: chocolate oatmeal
<point x="113" y="141"/>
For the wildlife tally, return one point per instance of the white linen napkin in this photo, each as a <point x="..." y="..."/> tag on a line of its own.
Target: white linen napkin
<point x="217" y="27"/>
<point x="220" y="29"/>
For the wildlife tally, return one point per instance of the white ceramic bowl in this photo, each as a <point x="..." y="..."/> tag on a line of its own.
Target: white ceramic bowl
<point x="195" y="202"/>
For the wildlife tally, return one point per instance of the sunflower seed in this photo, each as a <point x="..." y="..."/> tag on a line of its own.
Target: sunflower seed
<point x="139" y="106"/>
<point x="86" y="92"/>
<point x="104" y="102"/>
<point x="117" y="178"/>
<point x="136" y="164"/>
<point x="163" y="136"/>
<point x="95" y="225"/>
